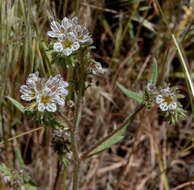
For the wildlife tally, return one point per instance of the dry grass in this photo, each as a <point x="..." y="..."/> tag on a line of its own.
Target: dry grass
<point x="127" y="34"/>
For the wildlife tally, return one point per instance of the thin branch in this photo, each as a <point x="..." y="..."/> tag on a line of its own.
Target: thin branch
<point x="22" y="134"/>
<point x="183" y="185"/>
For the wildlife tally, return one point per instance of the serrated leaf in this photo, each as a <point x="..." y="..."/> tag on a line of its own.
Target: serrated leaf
<point x="133" y="95"/>
<point x="16" y="104"/>
<point x="154" y="74"/>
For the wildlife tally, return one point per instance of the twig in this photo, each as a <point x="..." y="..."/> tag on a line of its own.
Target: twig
<point x="100" y="8"/>
<point x="183" y="64"/>
<point x="183" y="185"/>
<point x="22" y="134"/>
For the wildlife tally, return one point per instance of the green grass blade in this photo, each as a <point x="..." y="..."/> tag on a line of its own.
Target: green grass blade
<point x="183" y="64"/>
<point x="154" y="74"/>
<point x="186" y="72"/>
<point x="130" y="94"/>
<point x="16" y="104"/>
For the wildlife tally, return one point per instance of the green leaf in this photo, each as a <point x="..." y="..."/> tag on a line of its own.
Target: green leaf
<point x="114" y="138"/>
<point x="133" y="95"/>
<point x="109" y="187"/>
<point x="146" y="23"/>
<point x="154" y="73"/>
<point x="30" y="187"/>
<point x="5" y="170"/>
<point x="16" y="104"/>
<point x="19" y="158"/>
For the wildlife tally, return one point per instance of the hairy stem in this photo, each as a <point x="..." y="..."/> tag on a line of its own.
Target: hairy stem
<point x="75" y="150"/>
<point x="81" y="77"/>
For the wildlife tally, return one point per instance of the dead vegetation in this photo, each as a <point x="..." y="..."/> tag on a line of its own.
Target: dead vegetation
<point x="128" y="35"/>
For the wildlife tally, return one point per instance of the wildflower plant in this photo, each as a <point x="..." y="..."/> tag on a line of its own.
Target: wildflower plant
<point x="165" y="97"/>
<point x="72" y="47"/>
<point x="46" y="96"/>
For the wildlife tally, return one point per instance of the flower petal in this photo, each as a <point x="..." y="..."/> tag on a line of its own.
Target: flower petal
<point x="62" y="91"/>
<point x="51" y="107"/>
<point x="172" y="106"/>
<point x="159" y="99"/>
<point x="41" y="107"/>
<point x="60" y="101"/>
<point x="67" y="51"/>
<point x="55" y="26"/>
<point x="165" y="90"/>
<point x="64" y="84"/>
<point x="164" y="107"/>
<point x="76" y="46"/>
<point x="24" y="89"/>
<point x="27" y="98"/>
<point x="66" y="23"/>
<point x="52" y="34"/>
<point x="75" y="20"/>
<point x="58" y="47"/>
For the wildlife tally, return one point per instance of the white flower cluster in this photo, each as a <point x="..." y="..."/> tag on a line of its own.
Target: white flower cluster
<point x="70" y="34"/>
<point x="44" y="94"/>
<point x="167" y="100"/>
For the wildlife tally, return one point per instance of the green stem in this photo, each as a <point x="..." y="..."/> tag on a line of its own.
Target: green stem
<point x="74" y="145"/>
<point x="81" y="76"/>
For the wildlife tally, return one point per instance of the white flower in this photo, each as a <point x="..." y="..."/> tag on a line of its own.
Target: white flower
<point x="29" y="91"/>
<point x="82" y="34"/>
<point x="58" y="29"/>
<point x="66" y="24"/>
<point x="6" y="179"/>
<point x="165" y="90"/>
<point x="159" y="99"/>
<point x="151" y="87"/>
<point x="67" y="44"/>
<point x="166" y="100"/>
<point x="44" y="94"/>
<point x="164" y="106"/>
<point x="70" y="34"/>
<point x="96" y="68"/>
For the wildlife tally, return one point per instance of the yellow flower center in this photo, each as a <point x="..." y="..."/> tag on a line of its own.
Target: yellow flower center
<point x="45" y="99"/>
<point x="168" y="99"/>
<point x="80" y="37"/>
<point x="62" y="30"/>
<point x="67" y="43"/>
